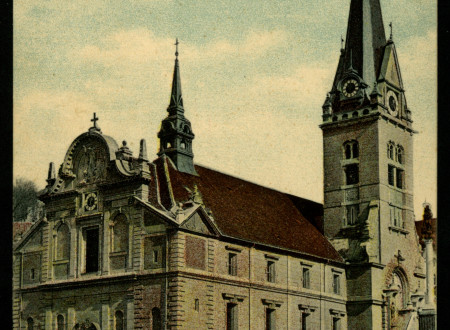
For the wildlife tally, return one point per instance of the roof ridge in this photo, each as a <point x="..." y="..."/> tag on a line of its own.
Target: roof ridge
<point x="253" y="183"/>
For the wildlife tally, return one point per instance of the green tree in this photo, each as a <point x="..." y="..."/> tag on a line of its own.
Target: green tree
<point x="25" y="199"/>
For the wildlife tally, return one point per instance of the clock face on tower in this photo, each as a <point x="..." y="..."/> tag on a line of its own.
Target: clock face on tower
<point x="392" y="103"/>
<point x="90" y="201"/>
<point x="350" y="87"/>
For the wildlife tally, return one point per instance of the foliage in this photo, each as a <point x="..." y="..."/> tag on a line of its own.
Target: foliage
<point x="26" y="206"/>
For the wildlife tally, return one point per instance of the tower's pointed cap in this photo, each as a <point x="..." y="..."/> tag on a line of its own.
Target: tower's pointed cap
<point x="176" y="98"/>
<point x="365" y="39"/>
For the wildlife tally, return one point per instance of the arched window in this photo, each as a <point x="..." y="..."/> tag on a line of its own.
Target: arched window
<point x="390" y="150"/>
<point x="355" y="114"/>
<point x="348" y="151"/>
<point x="352" y="214"/>
<point x="183" y="144"/>
<point x="62" y="242"/>
<point x="156" y="319"/>
<point x="118" y="320"/>
<point x="120" y="234"/>
<point x="61" y="323"/>
<point x="351" y="149"/>
<point x="400" y="154"/>
<point x="30" y="323"/>
<point x="399" y="284"/>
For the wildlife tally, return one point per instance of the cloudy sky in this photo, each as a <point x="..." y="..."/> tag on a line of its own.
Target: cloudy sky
<point x="254" y="75"/>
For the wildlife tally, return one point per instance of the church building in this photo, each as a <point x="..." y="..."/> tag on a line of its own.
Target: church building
<point x="128" y="242"/>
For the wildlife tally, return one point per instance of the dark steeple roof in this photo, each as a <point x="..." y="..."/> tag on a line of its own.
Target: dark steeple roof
<point x="176" y="98"/>
<point x="364" y="42"/>
<point x="175" y="136"/>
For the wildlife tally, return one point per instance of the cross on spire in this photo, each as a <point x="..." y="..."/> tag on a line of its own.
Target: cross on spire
<point x="342" y="42"/>
<point x="94" y="120"/>
<point x="390" y="25"/>
<point x="95" y="126"/>
<point x="176" y="47"/>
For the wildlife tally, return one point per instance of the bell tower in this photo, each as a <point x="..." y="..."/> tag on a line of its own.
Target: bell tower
<point x="368" y="174"/>
<point x="175" y="136"/>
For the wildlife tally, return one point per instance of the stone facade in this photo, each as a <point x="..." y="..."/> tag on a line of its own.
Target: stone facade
<point x="368" y="178"/>
<point x="192" y="285"/>
<point x="128" y="243"/>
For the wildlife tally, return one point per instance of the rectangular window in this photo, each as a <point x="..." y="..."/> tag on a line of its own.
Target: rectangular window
<point x="305" y="321"/>
<point x="92" y="250"/>
<point x="232" y="264"/>
<point x="270" y="319"/>
<point x="400" y="218"/>
<point x="336" y="323"/>
<point x="270" y="271"/>
<point x="352" y="174"/>
<point x="336" y="283"/>
<point x="400" y="178"/>
<point x="154" y="252"/>
<point x="391" y="174"/>
<point x="232" y="317"/>
<point x="197" y="305"/>
<point x="305" y="274"/>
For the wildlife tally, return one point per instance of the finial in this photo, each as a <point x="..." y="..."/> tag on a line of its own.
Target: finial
<point x="51" y="173"/>
<point x="94" y="120"/>
<point x="176" y="47"/>
<point x="342" y="42"/>
<point x="143" y="150"/>
<point x="375" y="91"/>
<point x="390" y="25"/>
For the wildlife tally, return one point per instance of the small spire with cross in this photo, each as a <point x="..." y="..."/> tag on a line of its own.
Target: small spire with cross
<point x="176" y="47"/>
<point x="95" y="126"/>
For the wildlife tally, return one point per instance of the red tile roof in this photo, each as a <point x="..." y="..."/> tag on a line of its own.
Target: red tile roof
<point x="247" y="211"/>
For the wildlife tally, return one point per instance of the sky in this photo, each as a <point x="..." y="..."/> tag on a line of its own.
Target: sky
<point x="254" y="77"/>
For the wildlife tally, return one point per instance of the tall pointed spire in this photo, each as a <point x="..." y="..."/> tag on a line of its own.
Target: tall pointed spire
<point x="365" y="40"/>
<point x="176" y="98"/>
<point x="175" y="136"/>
